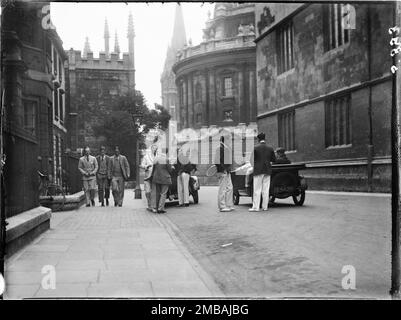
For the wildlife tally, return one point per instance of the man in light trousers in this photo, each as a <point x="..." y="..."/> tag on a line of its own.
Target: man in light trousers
<point x="103" y="178"/>
<point x="87" y="165"/>
<point x="185" y="168"/>
<point x="223" y="161"/>
<point x="261" y="159"/>
<point x="120" y="172"/>
<point x="147" y="165"/>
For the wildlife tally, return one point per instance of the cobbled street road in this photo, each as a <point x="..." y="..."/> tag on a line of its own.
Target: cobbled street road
<point x="290" y="251"/>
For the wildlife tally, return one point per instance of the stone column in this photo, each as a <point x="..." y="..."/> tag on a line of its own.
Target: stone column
<point x="183" y="107"/>
<point x="206" y="104"/>
<point x="190" y="100"/>
<point x="213" y="116"/>
<point x="241" y="100"/>
<point x="252" y="96"/>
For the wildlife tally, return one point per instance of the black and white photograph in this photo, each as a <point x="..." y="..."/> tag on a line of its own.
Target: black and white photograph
<point x="200" y="150"/>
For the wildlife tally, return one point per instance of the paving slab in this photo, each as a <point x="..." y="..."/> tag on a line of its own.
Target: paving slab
<point x="107" y="252"/>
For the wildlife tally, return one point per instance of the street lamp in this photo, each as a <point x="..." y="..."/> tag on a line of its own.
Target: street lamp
<point x="136" y="118"/>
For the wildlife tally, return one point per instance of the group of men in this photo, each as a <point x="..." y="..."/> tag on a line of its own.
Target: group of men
<point x="261" y="160"/>
<point x="158" y="178"/>
<point x="105" y="172"/>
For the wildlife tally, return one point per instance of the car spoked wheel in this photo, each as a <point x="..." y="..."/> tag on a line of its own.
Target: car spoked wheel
<point x="299" y="199"/>
<point x="236" y="198"/>
<point x="272" y="199"/>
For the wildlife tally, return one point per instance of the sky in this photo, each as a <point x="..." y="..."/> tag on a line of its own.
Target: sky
<point x="153" y="23"/>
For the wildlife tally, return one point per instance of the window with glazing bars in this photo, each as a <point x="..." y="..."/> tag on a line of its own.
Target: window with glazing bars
<point x="338" y="121"/>
<point x="228" y="87"/>
<point x="285" y="48"/>
<point x="335" y="34"/>
<point x="286" y="130"/>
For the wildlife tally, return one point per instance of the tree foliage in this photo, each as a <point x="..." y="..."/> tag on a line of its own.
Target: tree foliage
<point x="118" y="128"/>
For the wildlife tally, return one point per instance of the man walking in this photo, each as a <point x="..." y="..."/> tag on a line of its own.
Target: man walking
<point x="223" y="161"/>
<point x="147" y="165"/>
<point x="119" y="172"/>
<point x="161" y="180"/>
<point x="261" y="159"/>
<point x="103" y="178"/>
<point x="88" y="166"/>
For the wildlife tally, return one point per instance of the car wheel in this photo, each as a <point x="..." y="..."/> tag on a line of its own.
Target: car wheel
<point x="299" y="199"/>
<point x="272" y="199"/>
<point x="195" y="196"/>
<point x="236" y="197"/>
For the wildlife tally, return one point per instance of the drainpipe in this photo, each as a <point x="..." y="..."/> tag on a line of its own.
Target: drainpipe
<point x="370" y="144"/>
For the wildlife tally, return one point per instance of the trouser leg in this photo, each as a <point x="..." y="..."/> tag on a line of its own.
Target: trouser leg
<point x="154" y="196"/>
<point x="265" y="191"/>
<point x="114" y="190"/>
<point x="257" y="190"/>
<point x="180" y="190"/>
<point x="101" y="188"/>
<point x="86" y="191"/>
<point x="148" y="192"/>
<point x="229" y="192"/>
<point x="163" y="195"/>
<point x="222" y="192"/>
<point x="121" y="187"/>
<point x="107" y="189"/>
<point x="185" y="187"/>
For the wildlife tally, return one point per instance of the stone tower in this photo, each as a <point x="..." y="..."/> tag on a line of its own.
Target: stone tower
<point x="178" y="41"/>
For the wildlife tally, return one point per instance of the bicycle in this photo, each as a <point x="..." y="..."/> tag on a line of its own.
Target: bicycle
<point x="51" y="194"/>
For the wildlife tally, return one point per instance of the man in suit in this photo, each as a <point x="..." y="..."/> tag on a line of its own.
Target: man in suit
<point x="103" y="178"/>
<point x="161" y="180"/>
<point x="147" y="165"/>
<point x="119" y="172"/>
<point x="261" y="159"/>
<point x="88" y="166"/>
<point x="223" y="161"/>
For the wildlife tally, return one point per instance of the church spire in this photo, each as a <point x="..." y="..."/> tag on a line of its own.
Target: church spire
<point x="86" y="47"/>
<point x="116" y="44"/>
<point x="131" y="32"/>
<point x="179" y="37"/>
<point x="131" y="36"/>
<point x="106" y="37"/>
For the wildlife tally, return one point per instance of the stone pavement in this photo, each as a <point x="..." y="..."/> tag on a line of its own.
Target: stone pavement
<point x="107" y="252"/>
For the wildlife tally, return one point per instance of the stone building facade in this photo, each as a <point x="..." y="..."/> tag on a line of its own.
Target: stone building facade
<point x="324" y="90"/>
<point x="167" y="79"/>
<point x="36" y="103"/>
<point x="216" y="80"/>
<point x="95" y="83"/>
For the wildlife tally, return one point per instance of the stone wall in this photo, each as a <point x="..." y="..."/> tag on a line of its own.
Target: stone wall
<point x="319" y="74"/>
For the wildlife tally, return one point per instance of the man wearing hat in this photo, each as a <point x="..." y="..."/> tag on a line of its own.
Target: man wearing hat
<point x="261" y="159"/>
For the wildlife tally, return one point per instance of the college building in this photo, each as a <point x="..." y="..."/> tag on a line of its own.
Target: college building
<point x="324" y="90"/>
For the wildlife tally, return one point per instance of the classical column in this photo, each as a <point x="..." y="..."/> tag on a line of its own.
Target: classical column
<point x="189" y="100"/>
<point x="185" y="102"/>
<point x="206" y="113"/>
<point x="213" y="117"/>
<point x="252" y="96"/>
<point x="241" y="100"/>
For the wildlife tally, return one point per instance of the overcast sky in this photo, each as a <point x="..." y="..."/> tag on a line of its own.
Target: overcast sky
<point x="153" y="28"/>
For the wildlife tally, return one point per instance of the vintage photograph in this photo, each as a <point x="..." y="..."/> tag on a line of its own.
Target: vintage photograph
<point x="200" y="150"/>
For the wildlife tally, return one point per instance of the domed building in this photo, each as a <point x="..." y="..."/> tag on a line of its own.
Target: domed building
<point x="216" y="80"/>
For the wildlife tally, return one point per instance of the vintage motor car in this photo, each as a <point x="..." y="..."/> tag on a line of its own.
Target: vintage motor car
<point x="285" y="182"/>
